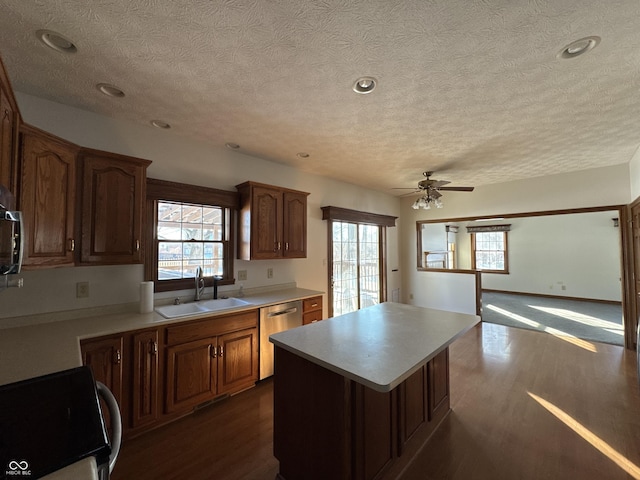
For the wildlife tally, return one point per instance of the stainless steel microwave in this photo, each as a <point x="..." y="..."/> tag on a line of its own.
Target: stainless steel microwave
<point x="11" y="242"/>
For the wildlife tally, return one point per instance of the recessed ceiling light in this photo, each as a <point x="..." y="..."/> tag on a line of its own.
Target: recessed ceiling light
<point x="56" y="41"/>
<point x="110" y="90"/>
<point x="303" y="155"/>
<point x="232" y="146"/>
<point x="579" y="47"/>
<point x="160" y="124"/>
<point x="364" y="85"/>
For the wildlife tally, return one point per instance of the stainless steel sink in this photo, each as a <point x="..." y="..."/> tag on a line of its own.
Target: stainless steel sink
<point x="195" y="308"/>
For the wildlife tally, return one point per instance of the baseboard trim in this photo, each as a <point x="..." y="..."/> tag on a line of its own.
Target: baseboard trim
<point x="561" y="297"/>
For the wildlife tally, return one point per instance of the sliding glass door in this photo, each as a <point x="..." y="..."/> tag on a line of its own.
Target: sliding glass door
<point x="356" y="266"/>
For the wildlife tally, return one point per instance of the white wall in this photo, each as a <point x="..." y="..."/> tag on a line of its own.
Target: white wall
<point x="588" y="188"/>
<point x="574" y="255"/>
<point x="183" y="160"/>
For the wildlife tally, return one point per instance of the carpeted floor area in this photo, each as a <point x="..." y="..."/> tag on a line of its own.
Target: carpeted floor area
<point x="593" y="321"/>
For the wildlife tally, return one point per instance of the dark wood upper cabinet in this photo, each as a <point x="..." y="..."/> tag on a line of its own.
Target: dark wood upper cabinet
<point x="112" y="201"/>
<point x="272" y="222"/>
<point x="9" y="122"/>
<point x="47" y="198"/>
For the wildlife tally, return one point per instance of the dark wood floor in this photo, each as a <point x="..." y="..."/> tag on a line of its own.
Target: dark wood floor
<point x="526" y="405"/>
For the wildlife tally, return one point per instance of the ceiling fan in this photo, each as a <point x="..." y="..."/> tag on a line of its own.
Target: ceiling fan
<point x="430" y="190"/>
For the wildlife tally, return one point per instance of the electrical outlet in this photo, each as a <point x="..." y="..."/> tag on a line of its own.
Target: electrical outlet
<point x="242" y="274"/>
<point x="82" y="290"/>
<point x="269" y="272"/>
<point x="564" y="287"/>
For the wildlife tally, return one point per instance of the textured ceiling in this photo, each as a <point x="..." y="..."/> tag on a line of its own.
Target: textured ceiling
<point x="470" y="89"/>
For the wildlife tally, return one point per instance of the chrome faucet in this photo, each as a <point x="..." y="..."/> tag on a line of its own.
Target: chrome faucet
<point x="199" y="284"/>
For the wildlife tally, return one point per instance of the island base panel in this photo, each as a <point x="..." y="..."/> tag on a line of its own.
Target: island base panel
<point x="326" y="426"/>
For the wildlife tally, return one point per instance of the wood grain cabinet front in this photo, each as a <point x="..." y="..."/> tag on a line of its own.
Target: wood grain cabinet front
<point x="47" y="198"/>
<point x="105" y="357"/>
<point x="9" y="122"/>
<point x="209" y="358"/>
<point x="272" y="222"/>
<point x="145" y="378"/>
<point x="113" y="195"/>
<point x="312" y="310"/>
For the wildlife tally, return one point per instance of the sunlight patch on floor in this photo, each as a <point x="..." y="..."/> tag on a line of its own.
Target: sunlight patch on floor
<point x="623" y="462"/>
<point x="553" y="331"/>
<point x="581" y="318"/>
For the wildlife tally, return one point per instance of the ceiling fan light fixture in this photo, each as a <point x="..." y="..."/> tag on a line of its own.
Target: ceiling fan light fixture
<point x="56" y="41"/>
<point x="579" y="47"/>
<point x="364" y="85"/>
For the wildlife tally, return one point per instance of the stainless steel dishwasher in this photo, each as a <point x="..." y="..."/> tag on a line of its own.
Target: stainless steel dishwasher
<point x="274" y="319"/>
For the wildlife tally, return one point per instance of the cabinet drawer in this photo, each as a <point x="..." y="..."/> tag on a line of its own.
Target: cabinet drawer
<point x="313" y="303"/>
<point x="211" y="327"/>
<point x="311" y="317"/>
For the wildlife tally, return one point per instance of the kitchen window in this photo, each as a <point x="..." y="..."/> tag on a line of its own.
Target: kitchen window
<point x="189" y="226"/>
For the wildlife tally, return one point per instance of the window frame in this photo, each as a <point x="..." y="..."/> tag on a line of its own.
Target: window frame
<point x="162" y="190"/>
<point x="505" y="251"/>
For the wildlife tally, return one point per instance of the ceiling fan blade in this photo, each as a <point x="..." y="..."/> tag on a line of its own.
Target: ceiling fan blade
<point x="457" y="189"/>
<point x="432" y="183"/>
<point x="404" y="188"/>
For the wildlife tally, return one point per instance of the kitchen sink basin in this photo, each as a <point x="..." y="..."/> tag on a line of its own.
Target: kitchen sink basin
<point x="222" y="304"/>
<point x="194" y="308"/>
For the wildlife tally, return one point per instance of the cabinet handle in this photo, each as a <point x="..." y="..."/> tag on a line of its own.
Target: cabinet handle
<point x="286" y="245"/>
<point x="117" y="357"/>
<point x="72" y="245"/>
<point x="6" y="113"/>
<point x="277" y="246"/>
<point x="221" y="351"/>
<point x="153" y="347"/>
<point x="137" y="245"/>
<point x="313" y="305"/>
<point x="212" y="351"/>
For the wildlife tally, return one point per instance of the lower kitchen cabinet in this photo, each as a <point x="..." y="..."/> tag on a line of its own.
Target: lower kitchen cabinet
<point x="237" y="360"/>
<point x="145" y="378"/>
<point x="201" y="370"/>
<point x="160" y="374"/>
<point x="104" y="356"/>
<point x="312" y="310"/>
<point x="191" y="374"/>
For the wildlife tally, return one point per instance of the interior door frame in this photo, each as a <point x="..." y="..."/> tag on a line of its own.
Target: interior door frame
<point x="631" y="275"/>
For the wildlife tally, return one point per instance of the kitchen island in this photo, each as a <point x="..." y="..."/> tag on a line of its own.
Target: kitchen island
<point x="357" y="396"/>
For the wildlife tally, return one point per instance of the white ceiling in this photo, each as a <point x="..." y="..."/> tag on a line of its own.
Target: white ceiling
<point x="470" y="89"/>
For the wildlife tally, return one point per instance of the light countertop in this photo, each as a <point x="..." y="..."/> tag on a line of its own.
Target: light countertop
<point x="379" y="346"/>
<point x="39" y="349"/>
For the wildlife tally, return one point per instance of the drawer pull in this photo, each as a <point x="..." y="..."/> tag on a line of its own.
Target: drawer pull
<point x="72" y="245"/>
<point x="314" y="305"/>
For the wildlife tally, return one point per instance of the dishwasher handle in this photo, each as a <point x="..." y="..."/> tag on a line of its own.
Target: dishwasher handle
<point x="283" y="312"/>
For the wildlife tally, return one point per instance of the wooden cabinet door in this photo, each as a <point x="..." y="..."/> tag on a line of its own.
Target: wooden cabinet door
<point x="294" y="225"/>
<point x="47" y="199"/>
<point x="438" y="378"/>
<point x="7" y="137"/>
<point x="266" y="223"/>
<point x="191" y="374"/>
<point x="104" y="356"/>
<point x="237" y="360"/>
<point x="144" y="384"/>
<point x="113" y="191"/>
